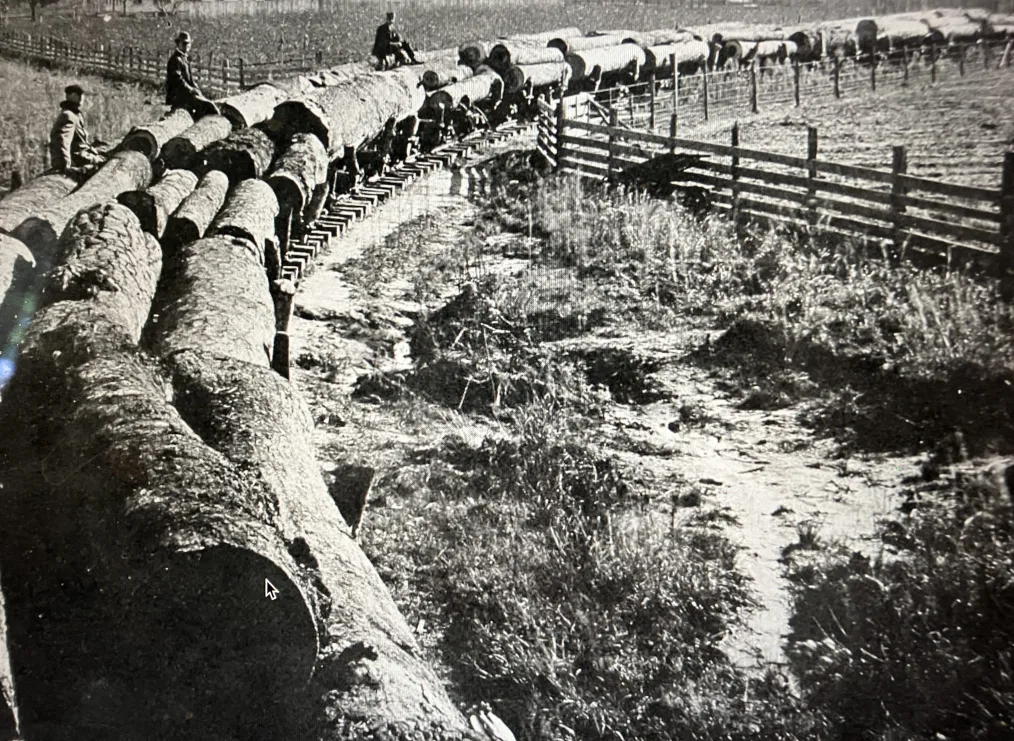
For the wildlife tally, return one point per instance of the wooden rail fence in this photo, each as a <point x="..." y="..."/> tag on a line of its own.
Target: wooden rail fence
<point x="890" y="206"/>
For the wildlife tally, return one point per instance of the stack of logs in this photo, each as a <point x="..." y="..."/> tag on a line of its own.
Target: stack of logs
<point x="172" y="561"/>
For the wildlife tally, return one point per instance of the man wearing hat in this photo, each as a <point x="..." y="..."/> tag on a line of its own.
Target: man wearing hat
<point x="388" y="42"/>
<point x="70" y="150"/>
<point x="180" y="89"/>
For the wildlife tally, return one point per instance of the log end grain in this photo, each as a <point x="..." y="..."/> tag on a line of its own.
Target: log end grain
<point x="243" y="155"/>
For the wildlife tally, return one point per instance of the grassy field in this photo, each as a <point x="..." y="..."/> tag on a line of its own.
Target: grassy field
<point x="31" y="102"/>
<point x="346" y="33"/>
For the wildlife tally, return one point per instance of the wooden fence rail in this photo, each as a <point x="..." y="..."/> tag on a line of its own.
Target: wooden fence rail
<point x="890" y="206"/>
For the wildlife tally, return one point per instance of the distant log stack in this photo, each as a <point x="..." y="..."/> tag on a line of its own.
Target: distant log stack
<point x="149" y="139"/>
<point x="251" y="106"/>
<point x="154" y="206"/>
<point x="297" y="173"/>
<point x="181" y="151"/>
<point x="9" y="725"/>
<point x="595" y="63"/>
<point x="583" y="43"/>
<point x="243" y="155"/>
<point x="544" y="37"/>
<point x="194" y="215"/>
<point x="668" y="36"/>
<point x="249" y="213"/>
<point x="486" y="85"/>
<point x="31" y="198"/>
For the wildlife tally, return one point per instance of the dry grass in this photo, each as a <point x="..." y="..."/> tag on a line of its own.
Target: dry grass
<point x="31" y="102"/>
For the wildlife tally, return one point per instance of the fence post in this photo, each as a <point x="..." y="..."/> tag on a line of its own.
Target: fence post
<point x="130" y="57"/>
<point x="836" y="76"/>
<point x="1005" y="59"/>
<point x="908" y="61"/>
<point x="707" y="108"/>
<point x="673" y="131"/>
<point x="734" y="174"/>
<point x="987" y="55"/>
<point x="899" y="166"/>
<point x="933" y="65"/>
<point x="795" y="82"/>
<point x="614" y="122"/>
<point x="561" y="119"/>
<point x="242" y="76"/>
<point x="873" y="74"/>
<point x="811" y="172"/>
<point x="1007" y="213"/>
<point x="961" y="59"/>
<point x="651" y="103"/>
<point x="630" y="99"/>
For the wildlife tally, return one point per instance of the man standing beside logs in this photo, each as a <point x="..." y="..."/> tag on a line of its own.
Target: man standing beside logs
<point x="388" y="42"/>
<point x="180" y="89"/>
<point x="70" y="151"/>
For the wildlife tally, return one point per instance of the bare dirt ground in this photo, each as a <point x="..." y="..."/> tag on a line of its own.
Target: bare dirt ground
<point x="697" y="457"/>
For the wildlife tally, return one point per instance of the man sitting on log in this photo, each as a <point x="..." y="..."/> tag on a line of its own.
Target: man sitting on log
<point x="180" y="89"/>
<point x="70" y="151"/>
<point x="389" y="42"/>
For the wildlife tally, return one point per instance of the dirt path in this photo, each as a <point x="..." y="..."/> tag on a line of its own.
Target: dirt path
<point x="757" y="475"/>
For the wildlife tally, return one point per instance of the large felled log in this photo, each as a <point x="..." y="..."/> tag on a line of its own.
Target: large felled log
<point x="437" y="75"/>
<point x="597" y="62"/>
<point x="149" y="139"/>
<point x="544" y="37"/>
<point x="193" y="217"/>
<point x="249" y="213"/>
<point x="251" y="106"/>
<point x="31" y="198"/>
<point x="536" y="75"/>
<point x="300" y="168"/>
<point x="508" y="53"/>
<point x="243" y="155"/>
<point x="154" y="205"/>
<point x="8" y="704"/>
<point x="660" y="57"/>
<point x="215" y="298"/>
<point x="351" y="113"/>
<point x="583" y="43"/>
<point x="17" y="270"/>
<point x="486" y="85"/>
<point x="181" y="150"/>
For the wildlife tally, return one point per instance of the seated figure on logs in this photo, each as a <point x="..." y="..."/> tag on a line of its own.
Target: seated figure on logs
<point x="180" y="89"/>
<point x="389" y="43"/>
<point x="70" y="151"/>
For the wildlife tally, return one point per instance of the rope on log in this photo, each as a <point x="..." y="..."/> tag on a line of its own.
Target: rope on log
<point x="249" y="213"/>
<point x="154" y="205"/>
<point x="9" y="724"/>
<point x="194" y="215"/>
<point x="181" y="150"/>
<point x="214" y="297"/>
<point x="243" y="155"/>
<point x="149" y="139"/>
<point x="300" y="168"/>
<point x="31" y="198"/>
<point x="251" y="106"/>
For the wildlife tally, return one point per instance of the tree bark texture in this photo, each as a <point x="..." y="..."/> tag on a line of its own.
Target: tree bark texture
<point x="300" y="168"/>
<point x="437" y="75"/>
<point x="545" y="37"/>
<point x="154" y="205"/>
<point x="483" y="86"/>
<point x="536" y="75"/>
<point x="191" y="219"/>
<point x="354" y="112"/>
<point x="605" y="60"/>
<point x="243" y="155"/>
<point x="181" y="151"/>
<point x="149" y="139"/>
<point x="31" y="198"/>
<point x="507" y="53"/>
<point x="370" y="671"/>
<point x="214" y="297"/>
<point x="249" y="213"/>
<point x="583" y="43"/>
<point x="251" y="106"/>
<point x="8" y="701"/>
<point x="473" y="53"/>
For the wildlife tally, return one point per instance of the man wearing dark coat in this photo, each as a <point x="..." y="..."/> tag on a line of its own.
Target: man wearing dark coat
<point x="180" y="89"/>
<point x="70" y="150"/>
<point x="388" y="42"/>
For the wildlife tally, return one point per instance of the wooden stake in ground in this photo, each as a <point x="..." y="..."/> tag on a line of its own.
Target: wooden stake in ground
<point x="154" y="205"/>
<point x="149" y="139"/>
<point x="243" y="155"/>
<point x="249" y="213"/>
<point x="194" y="215"/>
<point x="182" y="150"/>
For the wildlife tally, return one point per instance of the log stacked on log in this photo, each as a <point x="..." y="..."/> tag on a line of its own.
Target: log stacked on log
<point x="149" y="139"/>
<point x="31" y="198"/>
<point x="626" y="36"/>
<point x="594" y="63"/>
<point x="249" y="213"/>
<point x="243" y="155"/>
<point x="299" y="169"/>
<point x="251" y="106"/>
<point x="138" y="580"/>
<point x="486" y="85"/>
<point x="473" y="53"/>
<point x="536" y="75"/>
<point x="667" y="36"/>
<point x="437" y="75"/>
<point x="584" y="43"/>
<point x="352" y="113"/>
<point x="544" y="37"/>
<point x="509" y="53"/>
<point x="194" y="215"/>
<point x="181" y="150"/>
<point x="9" y="726"/>
<point x="154" y="205"/>
<point x="659" y="58"/>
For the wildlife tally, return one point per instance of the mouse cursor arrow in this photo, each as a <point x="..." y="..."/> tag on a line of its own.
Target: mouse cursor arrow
<point x="270" y="590"/>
